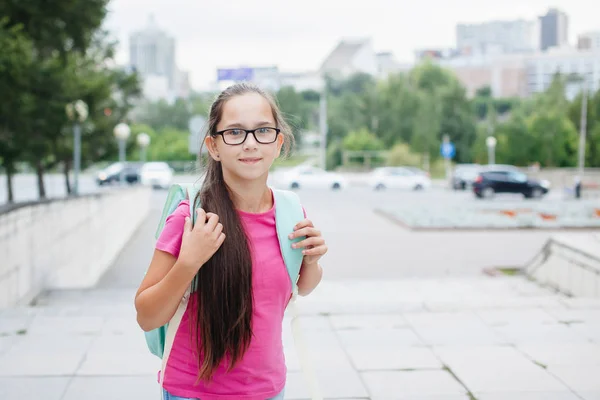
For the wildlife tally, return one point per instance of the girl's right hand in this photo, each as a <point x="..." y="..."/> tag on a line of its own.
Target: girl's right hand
<point x="201" y="241"/>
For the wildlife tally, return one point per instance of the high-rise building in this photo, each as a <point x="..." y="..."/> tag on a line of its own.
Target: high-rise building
<point x="152" y="53"/>
<point x="554" y="29"/>
<point x="497" y="37"/>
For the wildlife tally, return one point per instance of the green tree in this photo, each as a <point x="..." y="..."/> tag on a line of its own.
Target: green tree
<point x="362" y="140"/>
<point x="401" y="155"/>
<point x="515" y="145"/>
<point x="556" y="139"/>
<point x="15" y="104"/>
<point x="427" y="126"/>
<point x="398" y="105"/>
<point x="294" y="108"/>
<point x="60" y="34"/>
<point x="450" y="111"/>
<point x="456" y="120"/>
<point x="170" y="144"/>
<point x="161" y="114"/>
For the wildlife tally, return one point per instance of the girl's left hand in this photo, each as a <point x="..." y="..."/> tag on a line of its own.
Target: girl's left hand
<point x="313" y="246"/>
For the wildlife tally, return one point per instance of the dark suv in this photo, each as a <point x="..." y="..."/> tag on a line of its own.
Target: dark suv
<point x="493" y="181"/>
<point x="112" y="173"/>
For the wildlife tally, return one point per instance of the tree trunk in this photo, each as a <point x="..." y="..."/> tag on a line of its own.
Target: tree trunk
<point x="39" y="169"/>
<point x="66" y="172"/>
<point x="9" y="184"/>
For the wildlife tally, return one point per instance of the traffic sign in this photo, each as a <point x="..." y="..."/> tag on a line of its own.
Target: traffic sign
<point x="447" y="150"/>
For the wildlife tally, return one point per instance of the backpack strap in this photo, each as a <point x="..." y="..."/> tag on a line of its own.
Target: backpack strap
<point x="288" y="212"/>
<point x="190" y="192"/>
<point x="175" y="194"/>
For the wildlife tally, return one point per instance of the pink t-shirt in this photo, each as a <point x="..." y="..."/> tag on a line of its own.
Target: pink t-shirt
<point x="261" y="373"/>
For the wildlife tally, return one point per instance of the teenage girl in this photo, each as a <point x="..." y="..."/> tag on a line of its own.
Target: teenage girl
<point x="229" y="343"/>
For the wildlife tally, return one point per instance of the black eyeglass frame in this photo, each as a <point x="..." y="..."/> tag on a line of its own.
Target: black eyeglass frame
<point x="248" y="131"/>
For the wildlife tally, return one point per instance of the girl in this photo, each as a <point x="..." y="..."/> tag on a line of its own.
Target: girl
<point x="229" y="342"/>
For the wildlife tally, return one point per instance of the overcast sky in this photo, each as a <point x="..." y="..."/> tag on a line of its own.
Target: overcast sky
<point x="298" y="35"/>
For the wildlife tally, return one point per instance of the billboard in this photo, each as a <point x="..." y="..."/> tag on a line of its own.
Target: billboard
<point x="235" y="74"/>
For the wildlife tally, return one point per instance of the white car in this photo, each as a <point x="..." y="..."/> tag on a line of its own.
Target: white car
<point x="398" y="178"/>
<point x="311" y="177"/>
<point x="156" y="174"/>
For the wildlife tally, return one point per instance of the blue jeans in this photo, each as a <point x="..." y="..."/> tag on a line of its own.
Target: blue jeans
<point x="168" y="396"/>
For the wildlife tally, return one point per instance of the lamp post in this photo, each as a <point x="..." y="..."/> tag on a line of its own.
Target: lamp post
<point x="78" y="113"/>
<point x="582" y="79"/>
<point x="143" y="140"/>
<point x="491" y="145"/>
<point x="122" y="133"/>
<point x="323" y="124"/>
<point x="582" y="134"/>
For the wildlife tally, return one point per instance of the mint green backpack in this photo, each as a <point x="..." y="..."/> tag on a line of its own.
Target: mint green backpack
<point x="287" y="214"/>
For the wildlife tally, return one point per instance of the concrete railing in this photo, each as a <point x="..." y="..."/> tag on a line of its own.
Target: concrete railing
<point x="569" y="263"/>
<point x="66" y="243"/>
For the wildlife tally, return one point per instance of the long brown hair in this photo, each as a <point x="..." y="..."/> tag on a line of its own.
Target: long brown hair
<point x="224" y="283"/>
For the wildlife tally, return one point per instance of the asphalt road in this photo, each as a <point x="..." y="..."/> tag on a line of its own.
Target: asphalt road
<point x="364" y="245"/>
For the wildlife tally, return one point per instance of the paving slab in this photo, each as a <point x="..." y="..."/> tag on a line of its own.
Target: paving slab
<point x="558" y="354"/>
<point x="378" y="357"/>
<point x="46" y="388"/>
<point x="453" y="328"/>
<point x="333" y="385"/>
<point x="497" y="369"/>
<point x="409" y="384"/>
<point x="122" y="387"/>
<point x="564" y="395"/>
<point x="580" y="378"/>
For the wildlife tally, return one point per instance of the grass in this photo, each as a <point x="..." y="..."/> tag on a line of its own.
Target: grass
<point x="510" y="271"/>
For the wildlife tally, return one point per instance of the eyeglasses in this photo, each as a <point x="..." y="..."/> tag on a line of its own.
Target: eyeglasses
<point x="238" y="136"/>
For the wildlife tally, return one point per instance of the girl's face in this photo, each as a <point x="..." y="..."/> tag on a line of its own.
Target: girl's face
<point x="250" y="160"/>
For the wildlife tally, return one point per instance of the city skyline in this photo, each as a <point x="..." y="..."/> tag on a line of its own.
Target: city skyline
<point x="263" y="32"/>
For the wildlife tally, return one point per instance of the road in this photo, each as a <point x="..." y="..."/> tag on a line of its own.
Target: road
<point x="364" y="245"/>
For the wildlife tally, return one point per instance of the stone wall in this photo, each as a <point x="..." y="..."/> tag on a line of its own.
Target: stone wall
<point x="65" y="243"/>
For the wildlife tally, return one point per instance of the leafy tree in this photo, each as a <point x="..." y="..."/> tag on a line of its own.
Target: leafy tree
<point x="398" y="104"/>
<point x="362" y="140"/>
<point x="556" y="139"/>
<point x="58" y="31"/>
<point x="15" y="104"/>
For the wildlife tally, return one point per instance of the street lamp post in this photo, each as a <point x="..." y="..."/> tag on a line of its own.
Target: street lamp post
<point x="78" y="113"/>
<point x="582" y="79"/>
<point x="582" y="132"/>
<point x="143" y="140"/>
<point x="323" y="123"/>
<point x="491" y="145"/>
<point x="122" y="133"/>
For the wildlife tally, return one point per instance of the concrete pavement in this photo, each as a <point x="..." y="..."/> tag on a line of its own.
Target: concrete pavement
<point x="483" y="338"/>
<point x="371" y="336"/>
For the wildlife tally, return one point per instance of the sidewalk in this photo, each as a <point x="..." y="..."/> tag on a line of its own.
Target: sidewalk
<point x="488" y="338"/>
<point x="485" y="338"/>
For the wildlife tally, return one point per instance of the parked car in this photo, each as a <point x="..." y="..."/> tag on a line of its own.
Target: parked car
<point x="492" y="181"/>
<point x="112" y="173"/>
<point x="156" y="174"/>
<point x="418" y="171"/>
<point x="464" y="175"/>
<point x="311" y="177"/>
<point x="398" y="178"/>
